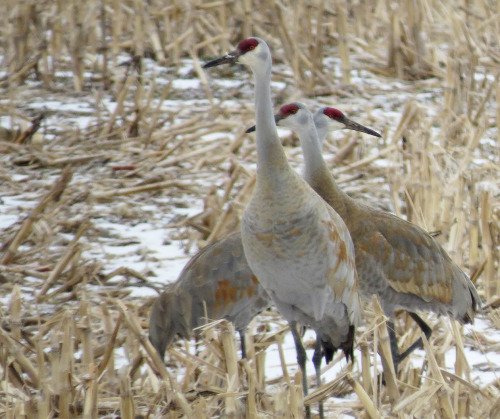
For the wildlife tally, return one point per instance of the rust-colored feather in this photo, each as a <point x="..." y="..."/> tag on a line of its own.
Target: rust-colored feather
<point x="216" y="283"/>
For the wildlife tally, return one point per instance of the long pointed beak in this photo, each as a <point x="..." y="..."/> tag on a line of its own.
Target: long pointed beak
<point x="358" y="127"/>
<point x="228" y="58"/>
<point x="251" y="129"/>
<point x="277" y="118"/>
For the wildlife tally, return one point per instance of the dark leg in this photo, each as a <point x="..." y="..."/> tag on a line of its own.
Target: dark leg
<point x="243" y="344"/>
<point x="301" y="360"/>
<point x="317" y="358"/>
<point x="397" y="357"/>
<point x="418" y="343"/>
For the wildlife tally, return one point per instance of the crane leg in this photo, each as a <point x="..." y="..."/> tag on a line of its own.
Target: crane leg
<point x="243" y="344"/>
<point x="301" y="360"/>
<point x="397" y="357"/>
<point x="317" y="358"/>
<point x="418" y="343"/>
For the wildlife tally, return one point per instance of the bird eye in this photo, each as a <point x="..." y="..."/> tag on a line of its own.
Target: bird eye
<point x="248" y="45"/>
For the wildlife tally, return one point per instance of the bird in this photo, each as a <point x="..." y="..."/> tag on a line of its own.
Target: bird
<point x="297" y="118"/>
<point x="295" y="243"/>
<point x="216" y="283"/>
<point x="396" y="260"/>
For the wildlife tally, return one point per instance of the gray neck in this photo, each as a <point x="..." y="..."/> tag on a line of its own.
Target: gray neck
<point x="271" y="158"/>
<point x="322" y="129"/>
<point x="318" y="176"/>
<point x="311" y="148"/>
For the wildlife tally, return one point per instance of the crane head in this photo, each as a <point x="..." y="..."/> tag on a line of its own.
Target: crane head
<point x="331" y="119"/>
<point x="244" y="53"/>
<point x="285" y="117"/>
<point x="293" y="115"/>
<point x="326" y="119"/>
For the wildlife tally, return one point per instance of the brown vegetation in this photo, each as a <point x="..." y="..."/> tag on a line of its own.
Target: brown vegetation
<point x="66" y="317"/>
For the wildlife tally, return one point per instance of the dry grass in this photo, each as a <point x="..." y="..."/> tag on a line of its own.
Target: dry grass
<point x="68" y="319"/>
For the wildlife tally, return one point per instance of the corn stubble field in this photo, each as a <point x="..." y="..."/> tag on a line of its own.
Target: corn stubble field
<point x="108" y="119"/>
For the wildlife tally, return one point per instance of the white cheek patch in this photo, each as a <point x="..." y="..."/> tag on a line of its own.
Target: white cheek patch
<point x="336" y="125"/>
<point x="302" y="118"/>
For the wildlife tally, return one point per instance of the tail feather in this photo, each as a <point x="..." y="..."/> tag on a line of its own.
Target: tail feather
<point x="347" y="346"/>
<point x="475" y="304"/>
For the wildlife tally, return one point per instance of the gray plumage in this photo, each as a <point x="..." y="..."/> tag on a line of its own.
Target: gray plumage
<point x="396" y="260"/>
<point x="216" y="283"/>
<point x="295" y="243"/>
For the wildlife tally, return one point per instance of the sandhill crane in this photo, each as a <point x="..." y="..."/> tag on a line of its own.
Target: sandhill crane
<point x="395" y="259"/>
<point x="295" y="243"/>
<point x="216" y="283"/>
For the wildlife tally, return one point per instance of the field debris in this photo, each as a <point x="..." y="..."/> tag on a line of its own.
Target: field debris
<point x="120" y="158"/>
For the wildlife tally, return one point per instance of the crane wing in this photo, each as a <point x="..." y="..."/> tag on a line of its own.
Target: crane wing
<point x="222" y="284"/>
<point x="341" y="274"/>
<point x="412" y="261"/>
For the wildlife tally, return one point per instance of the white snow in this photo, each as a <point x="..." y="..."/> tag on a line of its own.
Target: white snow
<point x="186" y="84"/>
<point x="147" y="248"/>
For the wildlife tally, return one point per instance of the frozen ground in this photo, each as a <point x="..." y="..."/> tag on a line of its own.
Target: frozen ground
<point x="146" y="241"/>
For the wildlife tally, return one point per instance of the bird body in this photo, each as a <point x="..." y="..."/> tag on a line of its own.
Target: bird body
<point x="290" y="258"/>
<point x="407" y="268"/>
<point x="396" y="260"/>
<point x="286" y="237"/>
<point x="295" y="243"/>
<point x="216" y="283"/>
